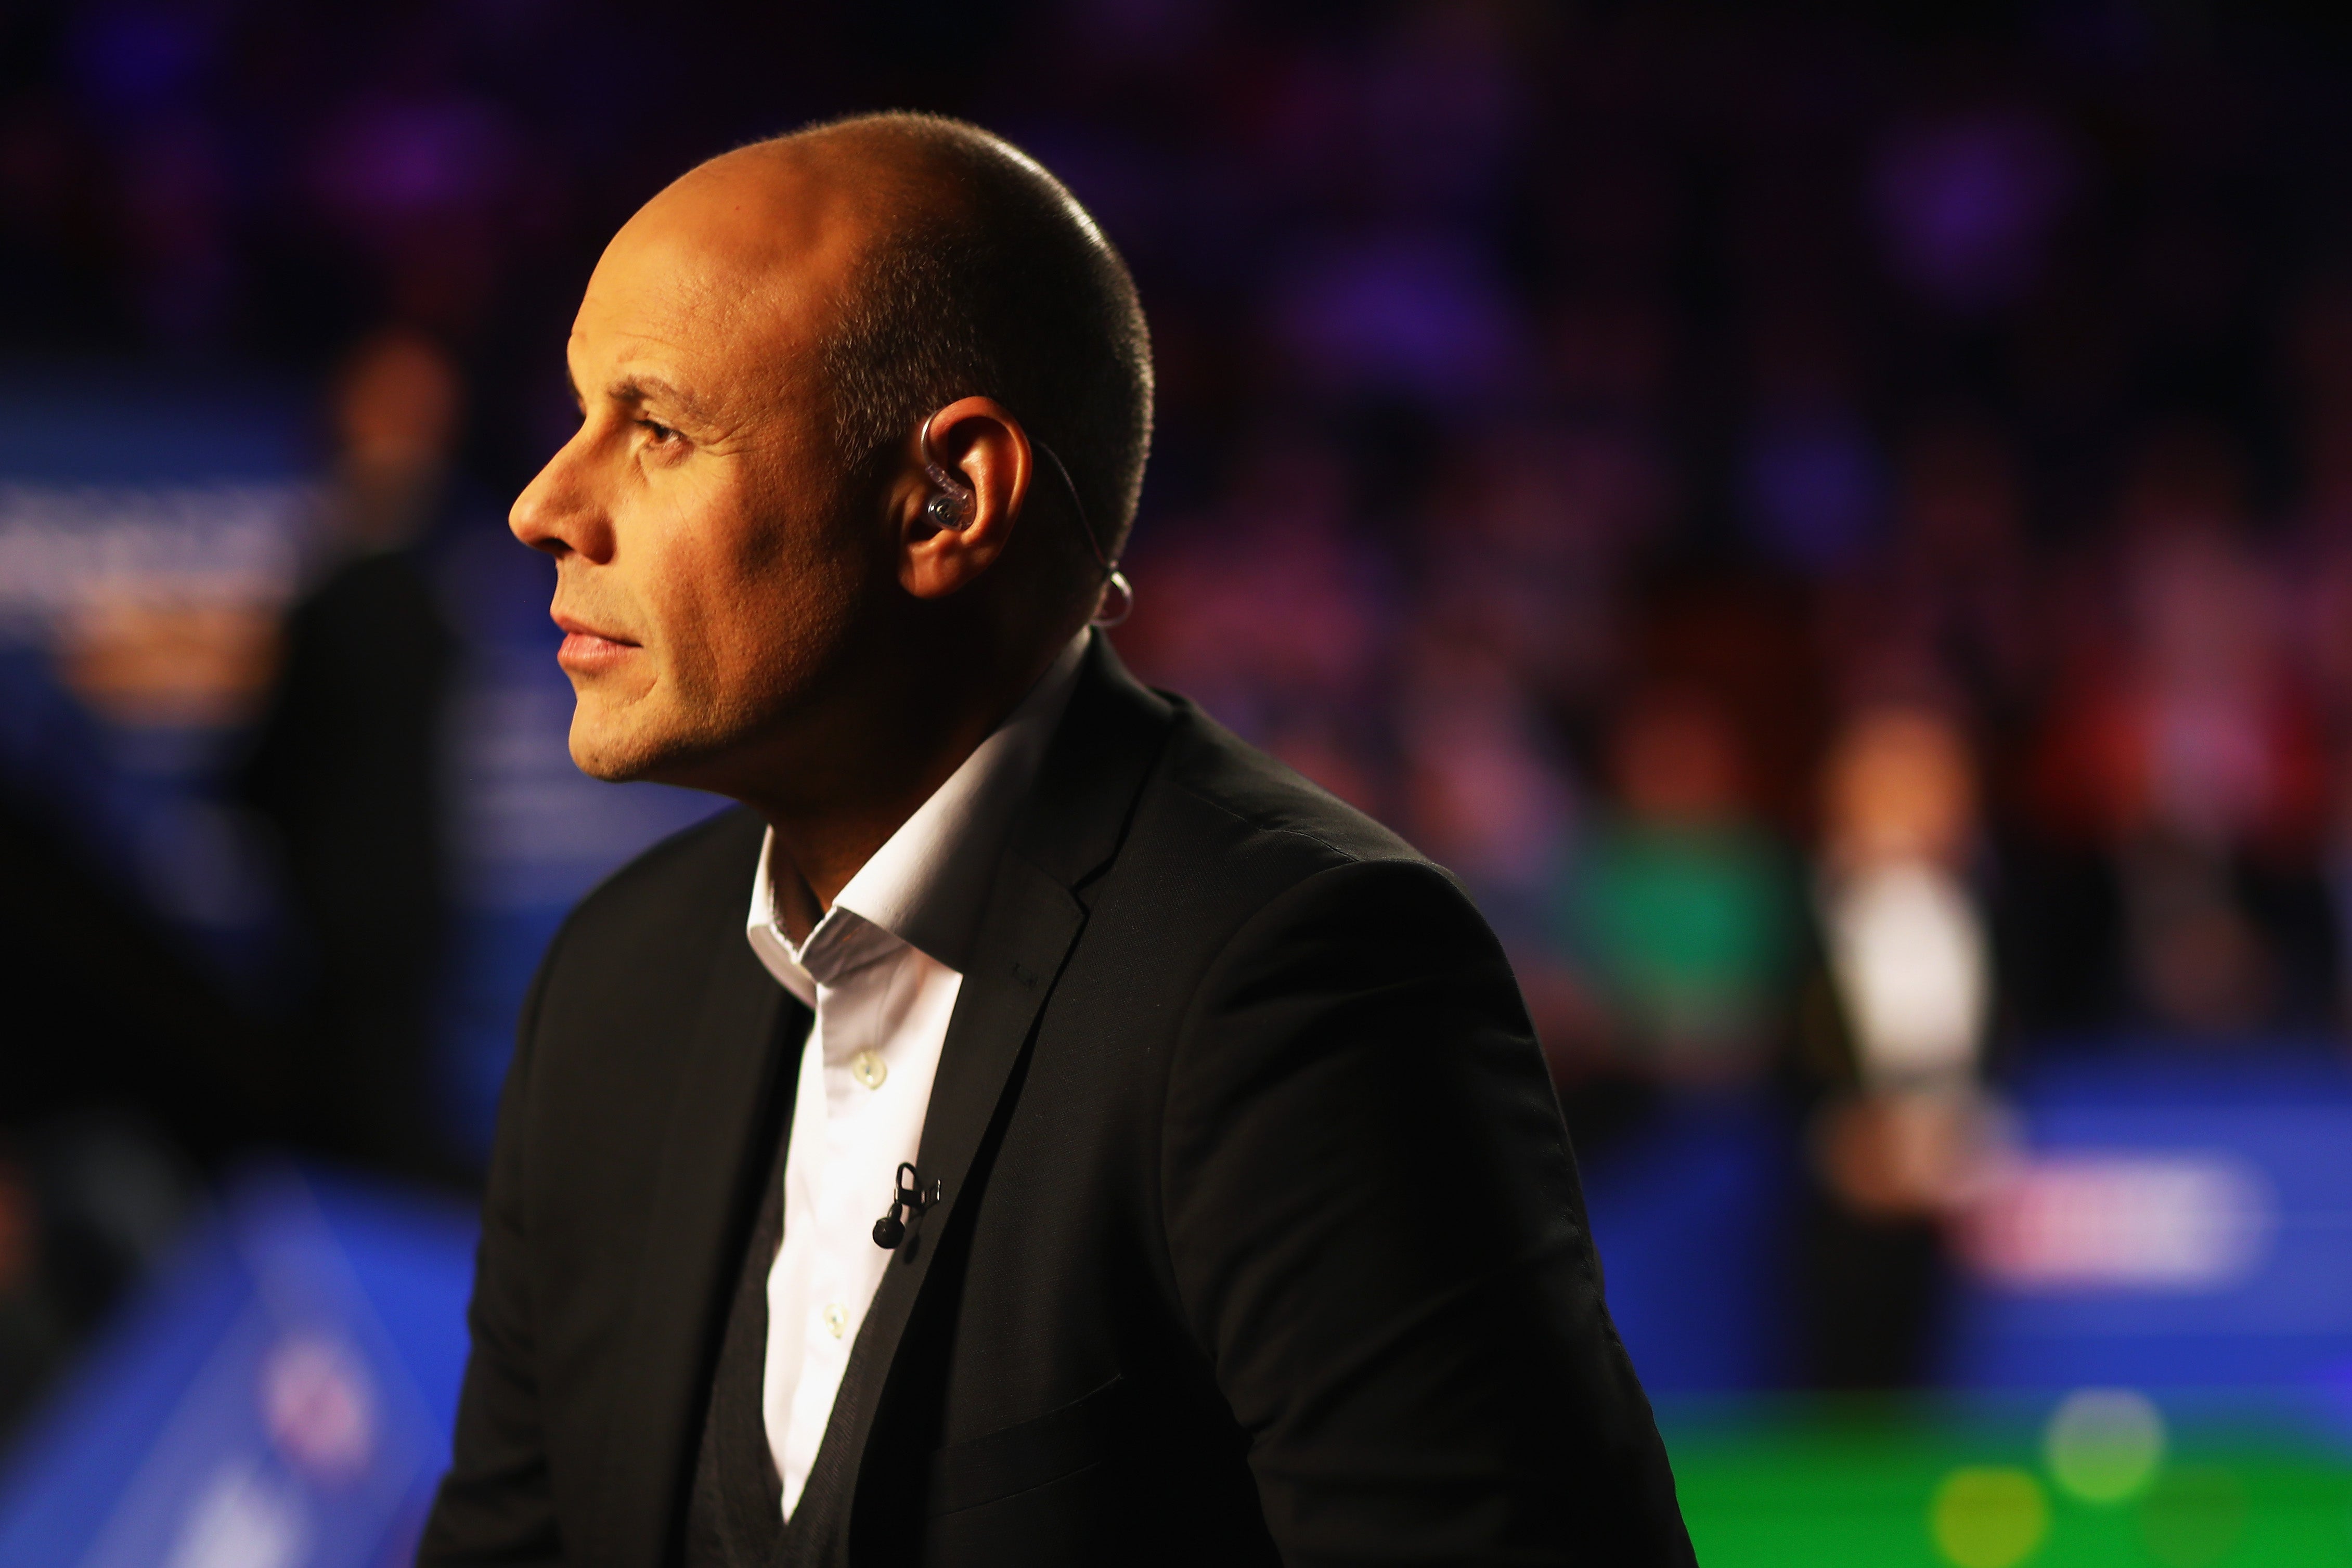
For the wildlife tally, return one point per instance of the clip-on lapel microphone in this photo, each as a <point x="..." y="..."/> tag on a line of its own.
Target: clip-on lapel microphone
<point x="910" y="1198"/>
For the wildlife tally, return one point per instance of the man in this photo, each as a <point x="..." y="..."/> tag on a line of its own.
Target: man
<point x="1107" y="1147"/>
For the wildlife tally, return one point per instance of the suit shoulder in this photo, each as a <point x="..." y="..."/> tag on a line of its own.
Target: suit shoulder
<point x="1226" y="796"/>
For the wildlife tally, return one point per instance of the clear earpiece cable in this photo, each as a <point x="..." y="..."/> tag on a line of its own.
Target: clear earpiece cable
<point x="1116" y="587"/>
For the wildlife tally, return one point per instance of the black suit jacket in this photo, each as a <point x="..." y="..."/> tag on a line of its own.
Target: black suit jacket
<point x="1260" y="1236"/>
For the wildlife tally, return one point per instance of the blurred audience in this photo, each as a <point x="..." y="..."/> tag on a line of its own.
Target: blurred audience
<point x="2184" y="745"/>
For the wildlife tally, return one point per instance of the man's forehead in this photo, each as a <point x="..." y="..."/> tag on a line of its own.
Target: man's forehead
<point x="673" y="298"/>
<point x="723" y="262"/>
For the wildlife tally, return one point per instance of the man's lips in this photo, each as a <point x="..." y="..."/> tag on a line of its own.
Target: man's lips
<point x="586" y="648"/>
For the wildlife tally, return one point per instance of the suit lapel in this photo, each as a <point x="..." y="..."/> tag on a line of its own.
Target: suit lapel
<point x="704" y="1198"/>
<point x="1032" y="922"/>
<point x="1070" y="828"/>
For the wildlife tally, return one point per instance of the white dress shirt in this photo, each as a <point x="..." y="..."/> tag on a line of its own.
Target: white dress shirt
<point x="881" y="969"/>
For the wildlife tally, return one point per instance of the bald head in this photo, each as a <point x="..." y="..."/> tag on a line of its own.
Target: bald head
<point x="783" y="223"/>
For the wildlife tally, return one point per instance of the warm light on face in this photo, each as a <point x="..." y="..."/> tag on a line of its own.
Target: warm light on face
<point x="704" y="575"/>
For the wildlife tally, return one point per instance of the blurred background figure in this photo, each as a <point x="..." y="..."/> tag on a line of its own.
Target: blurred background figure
<point x="350" y="768"/>
<point x="1908" y="960"/>
<point x="1683" y="905"/>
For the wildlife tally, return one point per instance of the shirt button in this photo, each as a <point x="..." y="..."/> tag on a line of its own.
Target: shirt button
<point x="836" y="1319"/>
<point x="869" y="1069"/>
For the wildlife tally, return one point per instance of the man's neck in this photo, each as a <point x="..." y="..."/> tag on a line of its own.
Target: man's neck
<point x="818" y="849"/>
<point x="877" y="781"/>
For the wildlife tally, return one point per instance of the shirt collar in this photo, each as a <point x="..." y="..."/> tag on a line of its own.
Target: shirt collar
<point x="925" y="885"/>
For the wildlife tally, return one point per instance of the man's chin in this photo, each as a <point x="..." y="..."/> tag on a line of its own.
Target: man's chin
<point x="615" y="758"/>
<point x="607" y="769"/>
<point x="631" y="754"/>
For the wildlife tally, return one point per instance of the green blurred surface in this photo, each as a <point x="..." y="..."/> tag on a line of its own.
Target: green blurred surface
<point x="1832" y="1486"/>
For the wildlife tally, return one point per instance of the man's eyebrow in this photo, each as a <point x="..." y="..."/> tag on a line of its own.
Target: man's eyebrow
<point x="639" y="388"/>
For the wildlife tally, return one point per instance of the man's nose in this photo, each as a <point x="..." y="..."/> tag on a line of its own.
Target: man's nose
<point x="558" y="512"/>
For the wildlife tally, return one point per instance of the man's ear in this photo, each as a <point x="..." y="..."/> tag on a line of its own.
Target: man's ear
<point x="970" y="475"/>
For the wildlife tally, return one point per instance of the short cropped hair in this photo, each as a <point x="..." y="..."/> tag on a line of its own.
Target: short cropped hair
<point x="990" y="279"/>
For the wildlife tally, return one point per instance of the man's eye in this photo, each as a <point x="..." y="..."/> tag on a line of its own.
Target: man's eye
<point x="662" y="433"/>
